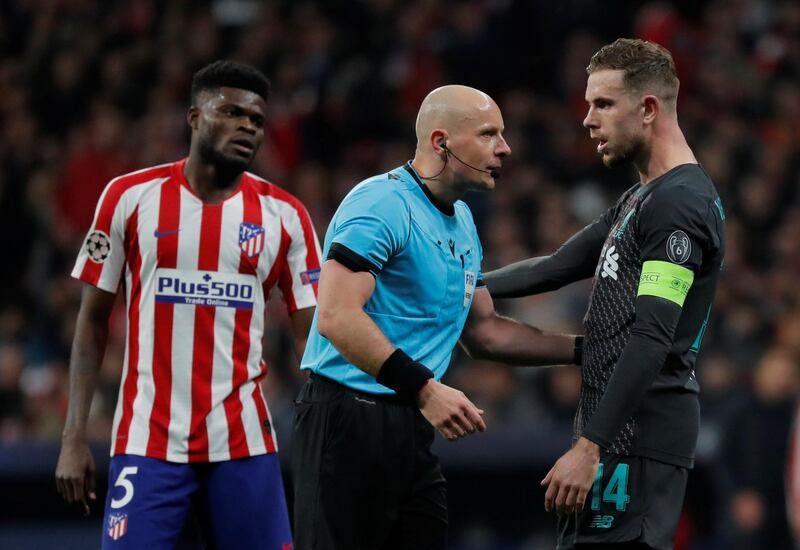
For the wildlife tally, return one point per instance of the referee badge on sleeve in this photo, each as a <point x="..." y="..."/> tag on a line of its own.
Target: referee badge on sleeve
<point x="469" y="287"/>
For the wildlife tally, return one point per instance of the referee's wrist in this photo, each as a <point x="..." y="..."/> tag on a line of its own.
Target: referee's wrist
<point x="403" y="375"/>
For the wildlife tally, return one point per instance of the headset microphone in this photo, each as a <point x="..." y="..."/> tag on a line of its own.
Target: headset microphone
<point x="494" y="172"/>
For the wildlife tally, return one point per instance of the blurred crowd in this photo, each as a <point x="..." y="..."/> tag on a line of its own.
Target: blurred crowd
<point x="90" y="90"/>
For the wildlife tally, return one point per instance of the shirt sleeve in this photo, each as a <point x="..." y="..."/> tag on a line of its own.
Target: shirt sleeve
<point x="470" y="221"/>
<point x="372" y="225"/>
<point x="300" y="277"/>
<point x="102" y="255"/>
<point x="479" y="281"/>
<point x="576" y="259"/>
<point x="673" y="228"/>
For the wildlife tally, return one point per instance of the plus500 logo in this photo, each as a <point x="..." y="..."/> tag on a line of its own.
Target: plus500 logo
<point x="178" y="286"/>
<point x="214" y="289"/>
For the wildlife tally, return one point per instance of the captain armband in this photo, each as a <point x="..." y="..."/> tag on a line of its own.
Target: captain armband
<point x="665" y="280"/>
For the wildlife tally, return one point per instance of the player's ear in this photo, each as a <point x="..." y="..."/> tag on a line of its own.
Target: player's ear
<point x="192" y="116"/>
<point x="651" y="106"/>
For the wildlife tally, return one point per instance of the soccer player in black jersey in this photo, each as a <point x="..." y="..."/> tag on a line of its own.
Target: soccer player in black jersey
<point x="656" y="256"/>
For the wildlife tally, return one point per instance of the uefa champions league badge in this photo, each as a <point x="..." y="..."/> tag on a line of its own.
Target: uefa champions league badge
<point x="98" y="246"/>
<point x="117" y="525"/>
<point x="679" y="247"/>
<point x="251" y="238"/>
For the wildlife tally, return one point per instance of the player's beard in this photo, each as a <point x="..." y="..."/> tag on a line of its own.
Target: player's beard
<point x="228" y="167"/>
<point x="626" y="152"/>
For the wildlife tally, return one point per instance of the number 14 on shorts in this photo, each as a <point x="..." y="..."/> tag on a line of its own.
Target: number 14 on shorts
<point x="615" y="490"/>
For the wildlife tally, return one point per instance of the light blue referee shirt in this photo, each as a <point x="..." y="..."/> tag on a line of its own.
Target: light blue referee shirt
<point x="426" y="260"/>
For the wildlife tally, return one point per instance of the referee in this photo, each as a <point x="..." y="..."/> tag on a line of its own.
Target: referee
<point x="656" y="256"/>
<point x="401" y="280"/>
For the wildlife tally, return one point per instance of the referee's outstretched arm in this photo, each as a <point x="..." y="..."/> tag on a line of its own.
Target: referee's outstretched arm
<point x="488" y="335"/>
<point x="342" y="320"/>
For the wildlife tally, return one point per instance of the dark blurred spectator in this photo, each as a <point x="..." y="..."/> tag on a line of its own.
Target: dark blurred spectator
<point x="96" y="155"/>
<point x="754" y="456"/>
<point x="12" y="363"/>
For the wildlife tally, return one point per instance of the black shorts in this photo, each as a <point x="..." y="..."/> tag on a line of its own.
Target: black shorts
<point x="634" y="499"/>
<point x="364" y="475"/>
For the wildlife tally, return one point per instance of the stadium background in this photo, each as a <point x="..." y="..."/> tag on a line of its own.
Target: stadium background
<point x="90" y="90"/>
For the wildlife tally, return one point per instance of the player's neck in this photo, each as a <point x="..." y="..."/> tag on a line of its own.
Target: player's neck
<point x="211" y="184"/>
<point x="668" y="149"/>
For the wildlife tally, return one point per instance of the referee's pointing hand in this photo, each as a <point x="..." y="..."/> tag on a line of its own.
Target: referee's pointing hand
<point x="449" y="410"/>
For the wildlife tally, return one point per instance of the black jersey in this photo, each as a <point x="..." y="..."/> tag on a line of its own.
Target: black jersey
<point x="675" y="222"/>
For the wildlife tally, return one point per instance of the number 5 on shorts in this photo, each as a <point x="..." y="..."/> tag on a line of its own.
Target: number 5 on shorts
<point x="615" y="490"/>
<point x="126" y="484"/>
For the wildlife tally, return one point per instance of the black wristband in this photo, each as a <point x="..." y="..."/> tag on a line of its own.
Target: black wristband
<point x="579" y="349"/>
<point x="404" y="375"/>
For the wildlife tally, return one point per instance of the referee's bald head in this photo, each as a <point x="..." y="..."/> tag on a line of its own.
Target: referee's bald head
<point x="449" y="108"/>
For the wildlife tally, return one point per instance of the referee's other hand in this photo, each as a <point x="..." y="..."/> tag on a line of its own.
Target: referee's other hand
<point x="449" y="410"/>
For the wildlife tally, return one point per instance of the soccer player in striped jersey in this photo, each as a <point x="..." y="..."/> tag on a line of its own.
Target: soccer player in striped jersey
<point x="656" y="257"/>
<point x="196" y="245"/>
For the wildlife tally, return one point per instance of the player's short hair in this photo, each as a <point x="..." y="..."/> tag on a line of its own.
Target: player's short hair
<point x="647" y="66"/>
<point x="229" y="74"/>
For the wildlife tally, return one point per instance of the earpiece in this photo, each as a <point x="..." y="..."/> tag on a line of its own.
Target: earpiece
<point x="446" y="151"/>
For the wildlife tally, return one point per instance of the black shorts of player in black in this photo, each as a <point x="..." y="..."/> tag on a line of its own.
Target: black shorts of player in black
<point x="337" y="506"/>
<point x="632" y="499"/>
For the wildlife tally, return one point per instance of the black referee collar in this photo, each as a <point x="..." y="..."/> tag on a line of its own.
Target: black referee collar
<point x="446" y="209"/>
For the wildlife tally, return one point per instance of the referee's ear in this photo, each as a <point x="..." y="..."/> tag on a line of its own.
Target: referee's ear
<point x="439" y="142"/>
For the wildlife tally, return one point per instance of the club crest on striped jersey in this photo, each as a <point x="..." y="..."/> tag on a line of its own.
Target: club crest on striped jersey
<point x="117" y="525"/>
<point x="251" y="238"/>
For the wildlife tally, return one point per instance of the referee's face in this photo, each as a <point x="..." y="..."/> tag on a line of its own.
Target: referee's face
<point x="614" y="118"/>
<point x="480" y="144"/>
<point x="229" y="123"/>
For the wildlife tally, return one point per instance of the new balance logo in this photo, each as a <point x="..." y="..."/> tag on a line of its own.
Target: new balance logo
<point x="610" y="265"/>
<point x="601" y="522"/>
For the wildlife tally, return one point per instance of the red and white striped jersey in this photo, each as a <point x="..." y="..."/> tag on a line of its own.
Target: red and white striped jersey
<point x="196" y="277"/>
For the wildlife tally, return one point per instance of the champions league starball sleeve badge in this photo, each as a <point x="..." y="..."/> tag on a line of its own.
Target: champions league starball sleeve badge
<point x="98" y="246"/>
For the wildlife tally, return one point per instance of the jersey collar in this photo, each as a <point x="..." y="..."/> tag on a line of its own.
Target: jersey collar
<point x="446" y="209"/>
